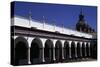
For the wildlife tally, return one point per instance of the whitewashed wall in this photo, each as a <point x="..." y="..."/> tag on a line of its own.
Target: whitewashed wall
<point x="20" y="21"/>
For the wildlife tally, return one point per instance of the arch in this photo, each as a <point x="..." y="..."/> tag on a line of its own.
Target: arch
<point x="21" y="51"/>
<point x="48" y="51"/>
<point x="58" y="51"/>
<point x="73" y="50"/>
<point x="36" y="51"/>
<point x="87" y="50"/>
<point x="66" y="50"/>
<point x="18" y="39"/>
<point x="83" y="50"/>
<point x="78" y="50"/>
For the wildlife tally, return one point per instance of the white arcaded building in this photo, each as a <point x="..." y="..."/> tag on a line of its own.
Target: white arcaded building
<point x="36" y="42"/>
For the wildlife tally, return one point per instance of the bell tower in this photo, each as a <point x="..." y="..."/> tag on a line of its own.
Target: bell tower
<point x="80" y="26"/>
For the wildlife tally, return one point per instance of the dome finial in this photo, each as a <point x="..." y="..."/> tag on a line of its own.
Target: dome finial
<point x="81" y="16"/>
<point x="81" y="11"/>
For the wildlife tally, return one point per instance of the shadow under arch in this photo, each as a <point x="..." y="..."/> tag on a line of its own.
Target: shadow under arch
<point x="48" y="51"/>
<point x="93" y="49"/>
<point x="83" y="50"/>
<point x="78" y="50"/>
<point x="36" y="51"/>
<point x="21" y="51"/>
<point x="87" y="50"/>
<point x="66" y="50"/>
<point x="73" y="50"/>
<point x="58" y="51"/>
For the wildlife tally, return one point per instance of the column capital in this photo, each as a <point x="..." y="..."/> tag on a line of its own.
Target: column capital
<point x="69" y="43"/>
<point x="81" y="44"/>
<point x="89" y="43"/>
<point x="43" y="41"/>
<point x="75" y="43"/>
<point x="30" y="39"/>
<point x="62" y="41"/>
<point x="85" y="43"/>
<point x="54" y="42"/>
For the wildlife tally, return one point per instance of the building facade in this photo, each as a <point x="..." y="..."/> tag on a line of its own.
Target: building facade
<point x="30" y="45"/>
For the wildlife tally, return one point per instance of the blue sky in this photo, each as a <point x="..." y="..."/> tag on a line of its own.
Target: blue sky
<point x="65" y="14"/>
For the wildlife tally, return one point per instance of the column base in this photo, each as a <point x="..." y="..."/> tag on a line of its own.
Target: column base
<point x="29" y="62"/>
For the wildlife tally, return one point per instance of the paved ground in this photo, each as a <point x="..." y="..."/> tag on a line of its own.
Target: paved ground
<point x="79" y="60"/>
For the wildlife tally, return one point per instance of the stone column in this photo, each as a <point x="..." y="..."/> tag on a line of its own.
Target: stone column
<point x="62" y="41"/>
<point x="85" y="50"/>
<point x="54" y="42"/>
<point x="70" y="49"/>
<point x="89" y="49"/>
<point x="62" y="52"/>
<point x="76" y="49"/>
<point x="29" y="62"/>
<point x="54" y="54"/>
<point x="81" y="48"/>
<point x="29" y="41"/>
<point x="43" y="55"/>
<point x="42" y="49"/>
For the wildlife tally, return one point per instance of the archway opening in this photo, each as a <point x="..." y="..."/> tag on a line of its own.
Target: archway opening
<point x="48" y="51"/>
<point x="66" y="50"/>
<point x="21" y="51"/>
<point x="58" y="51"/>
<point x="36" y="51"/>
<point x="87" y="50"/>
<point x="73" y="50"/>
<point x="93" y="51"/>
<point x="78" y="50"/>
<point x="83" y="50"/>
